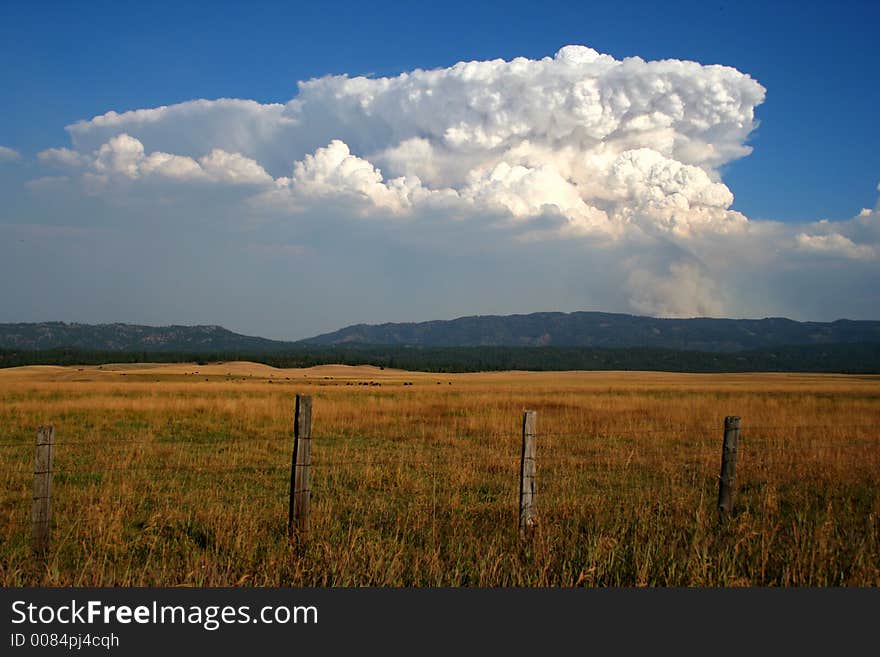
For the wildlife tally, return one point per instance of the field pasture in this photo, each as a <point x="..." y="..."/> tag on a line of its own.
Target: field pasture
<point x="178" y="475"/>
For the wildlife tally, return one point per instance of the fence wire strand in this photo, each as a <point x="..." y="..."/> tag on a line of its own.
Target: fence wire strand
<point x="607" y="453"/>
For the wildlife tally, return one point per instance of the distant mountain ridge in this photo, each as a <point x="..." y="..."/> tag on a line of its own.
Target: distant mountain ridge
<point x="606" y="330"/>
<point x="578" y="329"/>
<point x="132" y="338"/>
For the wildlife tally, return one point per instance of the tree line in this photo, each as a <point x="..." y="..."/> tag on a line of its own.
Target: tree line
<point x="832" y="358"/>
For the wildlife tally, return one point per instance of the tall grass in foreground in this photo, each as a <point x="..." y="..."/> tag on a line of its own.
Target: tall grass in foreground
<point x="162" y="480"/>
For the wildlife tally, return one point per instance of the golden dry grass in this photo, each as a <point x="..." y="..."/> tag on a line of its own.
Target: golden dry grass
<point x="179" y="474"/>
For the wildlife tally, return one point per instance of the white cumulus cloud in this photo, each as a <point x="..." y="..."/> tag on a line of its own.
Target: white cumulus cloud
<point x="191" y="128"/>
<point x="528" y="192"/>
<point x="605" y="143"/>
<point x="233" y="168"/>
<point x="65" y="157"/>
<point x="124" y="158"/>
<point x="8" y="154"/>
<point x="834" y="244"/>
<point x="334" y="171"/>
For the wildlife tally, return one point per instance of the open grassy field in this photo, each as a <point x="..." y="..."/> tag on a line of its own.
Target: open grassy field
<point x="179" y="475"/>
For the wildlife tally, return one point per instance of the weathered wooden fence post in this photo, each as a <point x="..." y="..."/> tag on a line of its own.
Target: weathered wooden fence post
<point x="527" y="476"/>
<point x="300" y="472"/>
<point x="41" y="513"/>
<point x="728" y="467"/>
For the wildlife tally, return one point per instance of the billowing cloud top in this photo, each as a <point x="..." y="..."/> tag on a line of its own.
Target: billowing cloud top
<point x="601" y="144"/>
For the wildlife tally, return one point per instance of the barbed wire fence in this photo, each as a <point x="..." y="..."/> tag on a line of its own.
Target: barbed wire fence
<point x="532" y="478"/>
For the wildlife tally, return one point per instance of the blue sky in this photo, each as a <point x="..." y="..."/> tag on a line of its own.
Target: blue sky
<point x="816" y="155"/>
<point x="817" y="150"/>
